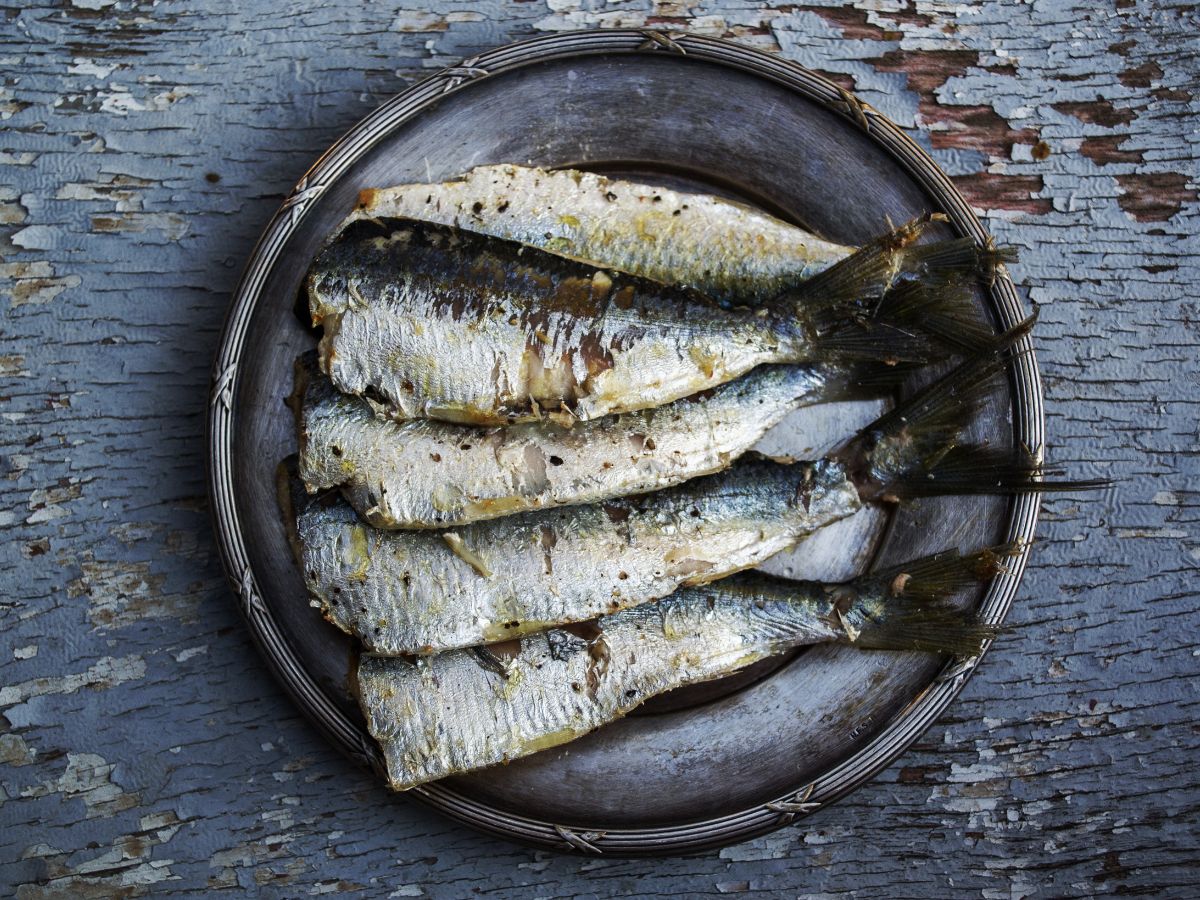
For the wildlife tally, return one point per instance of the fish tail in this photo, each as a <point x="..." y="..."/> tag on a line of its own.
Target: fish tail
<point x="913" y="324"/>
<point x="916" y="449"/>
<point x="941" y="316"/>
<point x="958" y="255"/>
<point x="905" y="607"/>
<point x="900" y="446"/>
<point x="875" y="370"/>
<point x="936" y="577"/>
<point x="865" y="273"/>
<point x="978" y="469"/>
<point x="930" y="627"/>
<point x="857" y="379"/>
<point x="893" y="300"/>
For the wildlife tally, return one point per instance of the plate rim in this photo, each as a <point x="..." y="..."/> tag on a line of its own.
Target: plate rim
<point x="1028" y="423"/>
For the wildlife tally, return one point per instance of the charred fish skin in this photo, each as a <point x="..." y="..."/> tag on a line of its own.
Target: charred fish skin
<point x="729" y="251"/>
<point x="466" y="710"/>
<point x="456" y="326"/>
<point x="424" y="473"/>
<point x="417" y="592"/>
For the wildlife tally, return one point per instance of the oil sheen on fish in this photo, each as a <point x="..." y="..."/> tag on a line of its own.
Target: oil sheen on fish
<point x="467" y="709"/>
<point x="429" y="321"/>
<point x="406" y="592"/>
<point x="724" y="249"/>
<point x="425" y="473"/>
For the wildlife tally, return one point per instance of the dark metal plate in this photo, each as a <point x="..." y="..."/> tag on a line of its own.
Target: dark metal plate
<point x="715" y="764"/>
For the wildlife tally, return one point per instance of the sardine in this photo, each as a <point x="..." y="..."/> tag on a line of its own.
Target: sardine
<point x="428" y="321"/>
<point x="417" y="592"/>
<point x="724" y="249"/>
<point x="425" y="473"/>
<point x="467" y="709"/>
<point x="405" y="592"/>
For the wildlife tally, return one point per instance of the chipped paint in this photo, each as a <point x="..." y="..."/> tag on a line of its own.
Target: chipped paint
<point x="87" y="777"/>
<point x="144" y="147"/>
<point x="33" y="283"/>
<point x="107" y="672"/>
<point x="15" y="752"/>
<point x="123" y="593"/>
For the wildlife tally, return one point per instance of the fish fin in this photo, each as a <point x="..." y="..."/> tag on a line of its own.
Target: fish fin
<point x="898" y="301"/>
<point x="903" y="442"/>
<point x="942" y="314"/>
<point x="861" y="378"/>
<point x="956" y="256"/>
<point x="936" y="577"/>
<point x="880" y="359"/>
<point x="864" y="274"/>
<point x="906" y="607"/>
<point x="916" y="322"/>
<point x="928" y="627"/>
<point x="936" y="413"/>
<point x="915" y="449"/>
<point x="979" y="469"/>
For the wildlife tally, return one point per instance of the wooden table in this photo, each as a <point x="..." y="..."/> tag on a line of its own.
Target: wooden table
<point x="144" y="746"/>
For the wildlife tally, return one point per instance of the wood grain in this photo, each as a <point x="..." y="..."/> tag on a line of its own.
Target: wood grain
<point x="144" y="747"/>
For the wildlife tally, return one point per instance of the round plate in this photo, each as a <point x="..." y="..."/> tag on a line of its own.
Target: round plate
<point x="729" y="761"/>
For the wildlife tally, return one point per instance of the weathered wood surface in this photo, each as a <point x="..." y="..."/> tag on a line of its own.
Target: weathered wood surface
<point x="145" y="748"/>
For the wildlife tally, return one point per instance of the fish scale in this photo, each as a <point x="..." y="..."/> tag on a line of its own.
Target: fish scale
<point x="406" y="592"/>
<point x="460" y="710"/>
<point x="723" y="248"/>
<point x="424" y="473"/>
<point x="406" y="314"/>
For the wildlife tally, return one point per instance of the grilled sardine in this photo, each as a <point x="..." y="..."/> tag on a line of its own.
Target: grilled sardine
<point x="425" y="473"/>
<point x="724" y="249"/>
<point x="467" y="709"/>
<point x="428" y="321"/>
<point x="414" y="592"/>
<point x="403" y="592"/>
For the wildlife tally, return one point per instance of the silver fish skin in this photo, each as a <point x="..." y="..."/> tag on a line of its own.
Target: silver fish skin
<point x="417" y="592"/>
<point x="424" y="473"/>
<point x="468" y="709"/>
<point x="427" y="321"/>
<point x="454" y="712"/>
<point x="724" y="249"/>
<point x="401" y="592"/>
<point x="455" y="326"/>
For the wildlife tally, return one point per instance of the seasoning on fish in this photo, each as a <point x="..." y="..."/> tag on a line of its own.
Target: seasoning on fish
<point x="425" y="473"/>
<point x="428" y="321"/>
<point x="418" y="592"/>
<point x="722" y="248"/>
<point x="467" y="709"/>
<point x="403" y="592"/>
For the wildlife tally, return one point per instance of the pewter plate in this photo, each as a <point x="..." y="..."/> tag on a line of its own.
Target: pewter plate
<point x="715" y="764"/>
